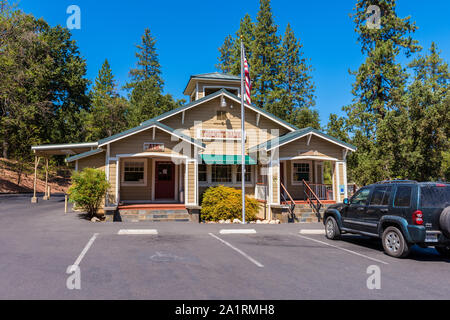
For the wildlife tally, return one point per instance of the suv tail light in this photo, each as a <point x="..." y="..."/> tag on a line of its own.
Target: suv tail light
<point x="417" y="217"/>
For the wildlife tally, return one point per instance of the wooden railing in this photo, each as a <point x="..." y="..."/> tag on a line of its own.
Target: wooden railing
<point x="313" y="199"/>
<point x="323" y="191"/>
<point x="287" y="198"/>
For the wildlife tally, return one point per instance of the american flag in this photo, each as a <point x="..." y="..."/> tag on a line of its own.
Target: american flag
<point x="248" y="83"/>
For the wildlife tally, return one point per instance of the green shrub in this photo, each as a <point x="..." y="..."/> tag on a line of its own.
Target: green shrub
<point x="88" y="190"/>
<point x="223" y="203"/>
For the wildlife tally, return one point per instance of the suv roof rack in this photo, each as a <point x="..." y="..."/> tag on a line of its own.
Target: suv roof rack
<point x="396" y="181"/>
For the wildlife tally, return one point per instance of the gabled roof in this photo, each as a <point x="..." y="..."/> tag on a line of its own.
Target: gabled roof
<point x="230" y="96"/>
<point x="214" y="76"/>
<point x="292" y="136"/>
<point x="148" y="125"/>
<point x="84" y="155"/>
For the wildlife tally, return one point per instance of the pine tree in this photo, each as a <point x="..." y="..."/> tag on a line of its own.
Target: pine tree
<point x="297" y="88"/>
<point x="266" y="60"/>
<point x="230" y="52"/>
<point x="148" y="66"/>
<point x="429" y="116"/>
<point x="146" y="86"/>
<point x="379" y="87"/>
<point x="108" y="110"/>
<point x="337" y="127"/>
<point x="226" y="58"/>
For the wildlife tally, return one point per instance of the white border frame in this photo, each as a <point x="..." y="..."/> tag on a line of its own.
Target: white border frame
<point x="124" y="183"/>
<point x="299" y="183"/>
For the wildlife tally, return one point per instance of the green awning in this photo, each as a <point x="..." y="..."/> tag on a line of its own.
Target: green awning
<point x="226" y="159"/>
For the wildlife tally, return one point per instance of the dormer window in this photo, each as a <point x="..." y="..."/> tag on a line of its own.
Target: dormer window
<point x="209" y="91"/>
<point x="202" y="85"/>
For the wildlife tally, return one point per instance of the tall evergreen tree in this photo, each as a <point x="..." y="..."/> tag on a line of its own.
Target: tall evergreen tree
<point x="227" y="56"/>
<point x="148" y="66"/>
<point x="266" y="59"/>
<point x="146" y="97"/>
<point x="429" y="116"/>
<point x="108" y="112"/>
<point x="297" y="88"/>
<point x="380" y="85"/>
<point x="337" y="127"/>
<point x="230" y="52"/>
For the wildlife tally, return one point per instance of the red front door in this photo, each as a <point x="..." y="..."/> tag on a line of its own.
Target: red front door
<point x="165" y="181"/>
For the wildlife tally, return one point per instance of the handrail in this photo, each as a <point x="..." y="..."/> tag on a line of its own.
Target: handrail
<point x="312" y="192"/>
<point x="292" y="205"/>
<point x="287" y="192"/>
<point x="316" y="206"/>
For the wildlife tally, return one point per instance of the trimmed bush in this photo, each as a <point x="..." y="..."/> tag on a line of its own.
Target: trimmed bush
<point x="88" y="190"/>
<point x="223" y="203"/>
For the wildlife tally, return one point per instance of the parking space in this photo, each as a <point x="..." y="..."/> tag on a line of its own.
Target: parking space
<point x="191" y="261"/>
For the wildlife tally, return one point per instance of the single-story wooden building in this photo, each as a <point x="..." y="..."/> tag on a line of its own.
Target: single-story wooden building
<point x="175" y="157"/>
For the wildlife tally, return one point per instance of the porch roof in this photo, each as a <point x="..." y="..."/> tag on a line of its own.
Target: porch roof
<point x="292" y="136"/>
<point x="84" y="155"/>
<point x="63" y="149"/>
<point x="226" y="159"/>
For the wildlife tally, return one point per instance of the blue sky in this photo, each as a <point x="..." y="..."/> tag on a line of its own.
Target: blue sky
<point x="189" y="34"/>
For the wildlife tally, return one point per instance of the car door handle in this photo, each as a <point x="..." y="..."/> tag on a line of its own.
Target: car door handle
<point x="360" y="209"/>
<point x="384" y="210"/>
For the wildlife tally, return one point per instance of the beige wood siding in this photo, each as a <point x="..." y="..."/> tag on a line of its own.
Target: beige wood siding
<point x="191" y="183"/>
<point x="318" y="144"/>
<point x="96" y="161"/>
<point x="135" y="143"/>
<point x="341" y="181"/>
<point x="143" y="193"/>
<point x="275" y="184"/>
<point x="112" y="182"/>
<point x="205" y="116"/>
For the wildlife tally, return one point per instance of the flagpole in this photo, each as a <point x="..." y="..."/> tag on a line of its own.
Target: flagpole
<point x="242" y="132"/>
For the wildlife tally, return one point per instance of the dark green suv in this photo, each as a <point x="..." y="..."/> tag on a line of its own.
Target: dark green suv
<point x="401" y="213"/>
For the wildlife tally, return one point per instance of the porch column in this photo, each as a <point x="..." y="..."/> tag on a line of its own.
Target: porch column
<point x="191" y="189"/>
<point x="46" y="191"/>
<point x="340" y="176"/>
<point x="36" y="164"/>
<point x="335" y="181"/>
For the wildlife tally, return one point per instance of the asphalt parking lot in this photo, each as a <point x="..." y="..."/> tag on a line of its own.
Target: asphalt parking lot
<point x="189" y="261"/>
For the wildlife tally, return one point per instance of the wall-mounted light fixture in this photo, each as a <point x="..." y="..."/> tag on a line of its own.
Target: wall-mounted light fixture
<point x="223" y="102"/>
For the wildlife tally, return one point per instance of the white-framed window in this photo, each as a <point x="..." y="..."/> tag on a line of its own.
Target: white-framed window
<point x="134" y="172"/>
<point x="222" y="173"/>
<point x="301" y="171"/>
<point x="202" y="173"/>
<point x="248" y="174"/>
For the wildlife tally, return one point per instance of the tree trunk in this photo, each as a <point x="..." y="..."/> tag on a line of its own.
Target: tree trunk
<point x="5" y="149"/>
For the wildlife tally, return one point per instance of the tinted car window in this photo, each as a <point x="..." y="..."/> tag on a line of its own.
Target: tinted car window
<point x="387" y="195"/>
<point x="434" y="196"/>
<point x="377" y="196"/>
<point x="361" y="197"/>
<point x="380" y="196"/>
<point x="403" y="196"/>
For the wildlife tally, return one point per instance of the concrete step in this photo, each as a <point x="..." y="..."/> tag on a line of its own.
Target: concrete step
<point x="151" y="215"/>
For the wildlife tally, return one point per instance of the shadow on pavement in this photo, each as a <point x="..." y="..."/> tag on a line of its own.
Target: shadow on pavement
<point x="417" y="253"/>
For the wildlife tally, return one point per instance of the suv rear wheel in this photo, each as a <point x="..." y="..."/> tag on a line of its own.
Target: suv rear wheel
<point x="332" y="229"/>
<point x="444" y="251"/>
<point x="394" y="243"/>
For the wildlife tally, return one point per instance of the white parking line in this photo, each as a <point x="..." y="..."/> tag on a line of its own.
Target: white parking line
<point x="85" y="250"/>
<point x="238" y="250"/>
<point x="343" y="249"/>
<point x="138" y="232"/>
<point x="312" y="231"/>
<point x="237" y="231"/>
